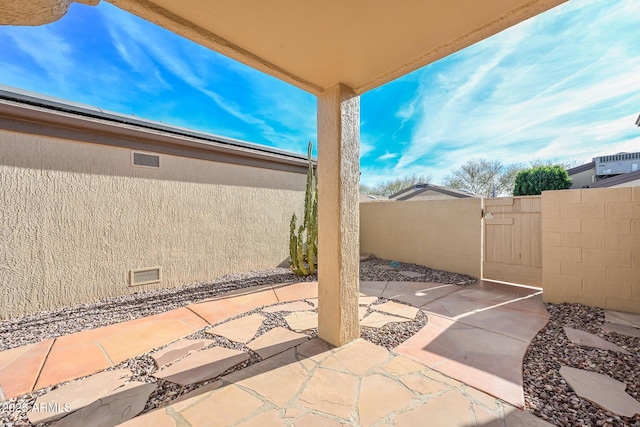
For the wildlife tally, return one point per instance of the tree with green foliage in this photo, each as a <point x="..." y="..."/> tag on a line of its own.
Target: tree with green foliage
<point x="392" y="186"/>
<point x="303" y="242"/>
<point x="534" y="181"/>
<point x="482" y="176"/>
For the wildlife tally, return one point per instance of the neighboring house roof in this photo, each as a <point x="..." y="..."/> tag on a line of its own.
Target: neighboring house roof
<point x="616" y="180"/>
<point x="582" y="168"/>
<point x="371" y="198"/>
<point x="28" y="112"/>
<point x="417" y="189"/>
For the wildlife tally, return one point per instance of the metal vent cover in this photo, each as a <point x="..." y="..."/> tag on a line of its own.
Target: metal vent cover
<point x="145" y="160"/>
<point x="145" y="276"/>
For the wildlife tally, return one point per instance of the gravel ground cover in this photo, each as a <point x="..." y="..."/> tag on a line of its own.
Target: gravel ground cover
<point x="548" y="396"/>
<point x="52" y="324"/>
<point x="56" y="323"/>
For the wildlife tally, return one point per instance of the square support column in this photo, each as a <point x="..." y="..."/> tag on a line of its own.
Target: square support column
<point x="338" y="215"/>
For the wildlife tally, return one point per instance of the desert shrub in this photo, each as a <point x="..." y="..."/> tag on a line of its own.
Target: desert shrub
<point x="534" y="181"/>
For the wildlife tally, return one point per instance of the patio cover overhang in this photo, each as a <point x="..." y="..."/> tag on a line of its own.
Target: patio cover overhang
<point x="337" y="50"/>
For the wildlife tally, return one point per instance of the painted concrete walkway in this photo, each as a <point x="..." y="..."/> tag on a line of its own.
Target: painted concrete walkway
<point x="476" y="334"/>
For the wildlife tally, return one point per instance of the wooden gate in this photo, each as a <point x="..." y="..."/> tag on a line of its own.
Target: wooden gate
<point x="513" y="240"/>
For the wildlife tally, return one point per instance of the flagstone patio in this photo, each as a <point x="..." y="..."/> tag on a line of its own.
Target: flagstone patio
<point x="476" y="336"/>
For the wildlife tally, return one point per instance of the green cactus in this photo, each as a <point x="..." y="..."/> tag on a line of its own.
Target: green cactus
<point x="303" y="245"/>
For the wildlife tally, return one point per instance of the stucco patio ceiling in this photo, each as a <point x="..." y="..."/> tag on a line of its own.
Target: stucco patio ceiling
<point x="317" y="44"/>
<point x="314" y="45"/>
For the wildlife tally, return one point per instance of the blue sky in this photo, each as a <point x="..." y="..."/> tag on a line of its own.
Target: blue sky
<point x="564" y="85"/>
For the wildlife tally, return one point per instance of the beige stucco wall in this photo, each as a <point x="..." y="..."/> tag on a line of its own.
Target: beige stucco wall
<point x="591" y="247"/>
<point x="634" y="183"/>
<point x="76" y="217"/>
<point x="441" y="234"/>
<point x="582" y="179"/>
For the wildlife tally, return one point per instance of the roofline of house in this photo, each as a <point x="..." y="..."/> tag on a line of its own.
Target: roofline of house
<point x="616" y="180"/>
<point x="431" y="187"/>
<point x="27" y="112"/>
<point x="582" y="168"/>
<point x="404" y="190"/>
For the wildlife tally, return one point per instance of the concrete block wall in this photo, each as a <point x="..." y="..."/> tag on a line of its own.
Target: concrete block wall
<point x="441" y="234"/>
<point x="591" y="247"/>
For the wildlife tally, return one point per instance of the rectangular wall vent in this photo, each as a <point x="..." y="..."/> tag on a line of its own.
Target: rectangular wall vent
<point x="146" y="160"/>
<point x="145" y="276"/>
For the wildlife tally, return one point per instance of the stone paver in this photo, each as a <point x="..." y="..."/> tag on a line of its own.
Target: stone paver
<point x="157" y="418"/>
<point x="363" y="300"/>
<point x="587" y="339"/>
<point x="276" y="341"/>
<point x="84" y="353"/>
<point x="401" y="366"/>
<point x="67" y="363"/>
<point x="421" y="384"/>
<point x="113" y="409"/>
<point x="269" y="418"/>
<point x="20" y="366"/>
<point x="313" y="420"/>
<point x="301" y="321"/>
<point x="313" y="301"/>
<point x="202" y="365"/>
<point x="277" y="378"/>
<point x="142" y="335"/>
<point x="621" y="318"/>
<point x="240" y="330"/>
<point x="178" y="350"/>
<point x="296" y="291"/>
<point x="317" y="385"/>
<point x="321" y="394"/>
<point x="291" y="306"/>
<point x="439" y="412"/>
<point x="362" y="311"/>
<point x="76" y="395"/>
<point x="466" y="338"/>
<point x="601" y="390"/>
<point x="396" y="309"/>
<point x="360" y="356"/>
<point x="378" y="320"/>
<point x="373" y="405"/>
<point x="314" y="349"/>
<point x="228" y="405"/>
<point x="629" y="331"/>
<point x="234" y="303"/>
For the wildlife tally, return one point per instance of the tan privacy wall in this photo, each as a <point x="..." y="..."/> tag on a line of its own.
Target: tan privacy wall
<point x="591" y="247"/>
<point x="75" y="218"/>
<point x="441" y="234"/>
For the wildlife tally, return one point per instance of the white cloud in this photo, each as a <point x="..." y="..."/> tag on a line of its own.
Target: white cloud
<point x="50" y="51"/>
<point x="387" y="156"/>
<point x="564" y="85"/>
<point x="281" y="114"/>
